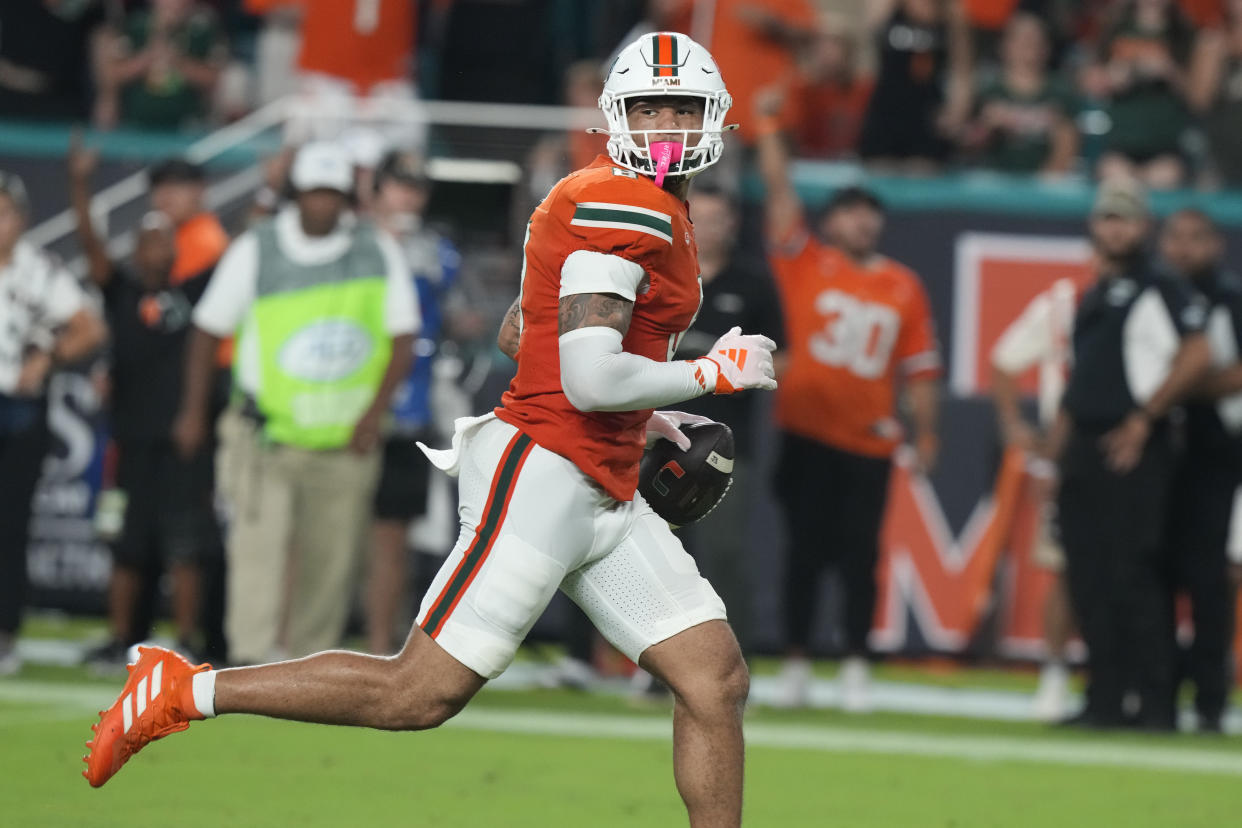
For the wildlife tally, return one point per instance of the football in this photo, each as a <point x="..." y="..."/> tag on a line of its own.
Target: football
<point x="684" y="486"/>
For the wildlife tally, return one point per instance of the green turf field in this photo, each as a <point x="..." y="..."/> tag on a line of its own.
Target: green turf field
<point x="556" y="758"/>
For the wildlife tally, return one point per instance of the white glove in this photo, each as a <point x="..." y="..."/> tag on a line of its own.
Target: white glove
<point x="739" y="361"/>
<point x="666" y="425"/>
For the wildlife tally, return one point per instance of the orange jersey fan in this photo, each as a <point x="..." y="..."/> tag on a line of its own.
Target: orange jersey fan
<point x="852" y="331"/>
<point x="605" y="209"/>
<point x="365" y="41"/>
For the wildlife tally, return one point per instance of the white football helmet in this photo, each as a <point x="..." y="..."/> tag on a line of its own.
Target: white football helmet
<point x="659" y="64"/>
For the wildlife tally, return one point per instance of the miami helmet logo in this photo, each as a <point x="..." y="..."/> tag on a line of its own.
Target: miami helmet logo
<point x="664" y="62"/>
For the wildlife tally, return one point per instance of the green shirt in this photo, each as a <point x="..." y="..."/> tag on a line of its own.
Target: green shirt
<point x="1148" y="116"/>
<point x="165" y="99"/>
<point x="1024" y="140"/>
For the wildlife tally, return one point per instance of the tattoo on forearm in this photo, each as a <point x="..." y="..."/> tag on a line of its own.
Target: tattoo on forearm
<point x="510" y="334"/>
<point x="513" y="321"/>
<point x="586" y="310"/>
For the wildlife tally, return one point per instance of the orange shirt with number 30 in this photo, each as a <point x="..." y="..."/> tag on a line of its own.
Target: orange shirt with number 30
<point x="853" y="331"/>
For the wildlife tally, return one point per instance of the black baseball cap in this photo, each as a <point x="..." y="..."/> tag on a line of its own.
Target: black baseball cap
<point x="852" y="196"/>
<point x="176" y="171"/>
<point x="403" y="166"/>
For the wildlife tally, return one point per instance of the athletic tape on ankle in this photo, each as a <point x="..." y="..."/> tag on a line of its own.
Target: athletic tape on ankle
<point x="204" y="688"/>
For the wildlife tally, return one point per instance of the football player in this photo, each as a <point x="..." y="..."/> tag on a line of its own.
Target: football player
<point x="548" y="480"/>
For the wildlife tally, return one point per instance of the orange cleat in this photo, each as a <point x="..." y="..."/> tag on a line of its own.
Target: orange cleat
<point x="158" y="699"/>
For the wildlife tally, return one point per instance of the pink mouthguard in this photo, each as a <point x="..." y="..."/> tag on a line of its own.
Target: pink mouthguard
<point x="665" y="153"/>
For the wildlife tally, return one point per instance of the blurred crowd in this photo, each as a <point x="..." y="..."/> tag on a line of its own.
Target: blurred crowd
<point x="1052" y="87"/>
<point x="264" y="458"/>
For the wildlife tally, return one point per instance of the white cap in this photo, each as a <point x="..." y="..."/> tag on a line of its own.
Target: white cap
<point x="322" y="165"/>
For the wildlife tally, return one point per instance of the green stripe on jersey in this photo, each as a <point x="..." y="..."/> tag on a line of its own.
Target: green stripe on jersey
<point x="484" y="536"/>
<point x="623" y="220"/>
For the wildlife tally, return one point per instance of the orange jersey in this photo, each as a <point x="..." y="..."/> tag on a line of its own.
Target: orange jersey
<point x="851" y="331"/>
<point x="749" y="58"/>
<point x="200" y="243"/>
<point x="605" y="209"/>
<point x="362" y="41"/>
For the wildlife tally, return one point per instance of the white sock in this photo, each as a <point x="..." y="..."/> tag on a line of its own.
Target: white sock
<point x="204" y="688"/>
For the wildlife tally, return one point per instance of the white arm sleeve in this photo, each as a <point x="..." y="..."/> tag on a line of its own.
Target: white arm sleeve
<point x="586" y="271"/>
<point x="597" y="375"/>
<point x="231" y="291"/>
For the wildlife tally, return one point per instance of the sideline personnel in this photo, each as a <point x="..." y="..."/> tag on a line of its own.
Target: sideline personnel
<point x="1138" y="348"/>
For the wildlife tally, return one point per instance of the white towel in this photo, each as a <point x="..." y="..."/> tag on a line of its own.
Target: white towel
<point x="449" y="460"/>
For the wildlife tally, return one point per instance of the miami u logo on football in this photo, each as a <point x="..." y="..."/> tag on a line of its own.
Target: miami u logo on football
<point x="672" y="467"/>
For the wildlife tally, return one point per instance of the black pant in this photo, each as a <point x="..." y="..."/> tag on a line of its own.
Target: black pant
<point x="834" y="505"/>
<point x="720" y="545"/>
<point x="169" y="518"/>
<point x="1112" y="528"/>
<point x="22" y="450"/>
<point x="1200" y="508"/>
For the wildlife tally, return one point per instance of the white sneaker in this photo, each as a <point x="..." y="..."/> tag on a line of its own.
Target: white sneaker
<point x="794" y="683"/>
<point x="1051" y="702"/>
<point x="855" y="685"/>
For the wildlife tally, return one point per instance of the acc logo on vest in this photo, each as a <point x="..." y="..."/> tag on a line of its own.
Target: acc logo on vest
<point x="325" y="351"/>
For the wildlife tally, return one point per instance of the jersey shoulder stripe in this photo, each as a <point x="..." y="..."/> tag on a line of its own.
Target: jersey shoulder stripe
<point x="624" y="217"/>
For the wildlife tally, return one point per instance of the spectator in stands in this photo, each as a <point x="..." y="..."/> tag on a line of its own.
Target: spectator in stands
<point x="160" y="69"/>
<point x="1215" y="94"/>
<point x="737" y="290"/>
<point x="829" y="95"/>
<point x="276" y="48"/>
<point x="402" y="190"/>
<point x="351" y="53"/>
<point x="46" y="51"/>
<point x="45" y="320"/>
<point x="178" y="188"/>
<point x="327" y="317"/>
<point x="988" y="20"/>
<point x="1040" y="338"/>
<point x="922" y="93"/>
<point x="1024" y="117"/>
<point x="1138" y="349"/>
<point x="858" y="325"/>
<point x="1209" y="469"/>
<point x="754" y="44"/>
<point x="169" y="519"/>
<point x="1141" y="72"/>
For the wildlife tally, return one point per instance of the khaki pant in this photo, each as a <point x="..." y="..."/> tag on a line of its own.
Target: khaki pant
<point x="293" y="541"/>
